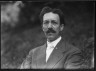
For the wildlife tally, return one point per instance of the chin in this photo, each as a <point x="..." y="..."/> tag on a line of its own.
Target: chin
<point x="51" y="38"/>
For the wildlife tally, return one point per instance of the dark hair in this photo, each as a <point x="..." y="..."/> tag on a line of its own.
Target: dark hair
<point x="56" y="11"/>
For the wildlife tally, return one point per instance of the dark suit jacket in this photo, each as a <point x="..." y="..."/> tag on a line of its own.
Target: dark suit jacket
<point x="63" y="56"/>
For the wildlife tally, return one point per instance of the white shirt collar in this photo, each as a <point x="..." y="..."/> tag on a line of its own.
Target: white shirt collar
<point x="54" y="43"/>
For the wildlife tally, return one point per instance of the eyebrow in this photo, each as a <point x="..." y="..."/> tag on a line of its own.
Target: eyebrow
<point x="54" y="21"/>
<point x="51" y="20"/>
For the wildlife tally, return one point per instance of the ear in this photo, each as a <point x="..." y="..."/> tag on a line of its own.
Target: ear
<point x="42" y="28"/>
<point x="62" y="27"/>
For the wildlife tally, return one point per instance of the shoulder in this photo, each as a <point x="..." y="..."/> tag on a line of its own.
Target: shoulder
<point x="72" y="48"/>
<point x="36" y="49"/>
<point x="68" y="46"/>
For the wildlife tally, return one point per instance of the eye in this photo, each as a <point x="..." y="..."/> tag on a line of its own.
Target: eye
<point x="54" y="22"/>
<point x="46" y="22"/>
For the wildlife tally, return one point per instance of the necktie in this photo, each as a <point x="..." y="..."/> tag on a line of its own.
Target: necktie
<point x="49" y="51"/>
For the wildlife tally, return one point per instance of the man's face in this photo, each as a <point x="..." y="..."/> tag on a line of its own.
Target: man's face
<point x="51" y="26"/>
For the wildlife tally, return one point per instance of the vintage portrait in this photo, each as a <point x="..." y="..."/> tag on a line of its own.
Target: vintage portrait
<point x="47" y="34"/>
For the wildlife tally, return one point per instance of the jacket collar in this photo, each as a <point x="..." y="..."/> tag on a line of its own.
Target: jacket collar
<point x="55" y="56"/>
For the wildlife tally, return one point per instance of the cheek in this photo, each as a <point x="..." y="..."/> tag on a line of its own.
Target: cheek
<point x="56" y="28"/>
<point x="44" y="28"/>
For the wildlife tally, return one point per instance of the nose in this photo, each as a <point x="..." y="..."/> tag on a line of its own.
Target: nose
<point x="49" y="25"/>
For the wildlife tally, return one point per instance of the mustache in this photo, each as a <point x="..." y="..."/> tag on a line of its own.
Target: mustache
<point x="50" y="30"/>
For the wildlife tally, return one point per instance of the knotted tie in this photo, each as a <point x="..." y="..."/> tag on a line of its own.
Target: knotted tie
<point x="49" y="51"/>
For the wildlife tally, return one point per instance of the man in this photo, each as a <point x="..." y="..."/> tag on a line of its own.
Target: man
<point x="55" y="53"/>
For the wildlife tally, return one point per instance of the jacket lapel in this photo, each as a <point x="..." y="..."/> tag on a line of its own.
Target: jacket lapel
<point x="56" y="55"/>
<point x="41" y="58"/>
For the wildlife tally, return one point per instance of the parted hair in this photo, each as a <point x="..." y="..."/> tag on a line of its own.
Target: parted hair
<point x="56" y="11"/>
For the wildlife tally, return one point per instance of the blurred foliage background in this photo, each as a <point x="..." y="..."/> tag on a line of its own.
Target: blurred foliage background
<point x="21" y="29"/>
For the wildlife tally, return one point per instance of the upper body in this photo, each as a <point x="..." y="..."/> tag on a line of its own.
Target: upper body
<point x="62" y="55"/>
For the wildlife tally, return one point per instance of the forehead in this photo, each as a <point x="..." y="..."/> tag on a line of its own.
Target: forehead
<point x="51" y="16"/>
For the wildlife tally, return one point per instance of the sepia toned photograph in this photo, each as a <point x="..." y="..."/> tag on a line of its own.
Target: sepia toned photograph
<point x="47" y="34"/>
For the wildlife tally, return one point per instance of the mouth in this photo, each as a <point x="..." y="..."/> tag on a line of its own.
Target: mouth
<point x="50" y="34"/>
